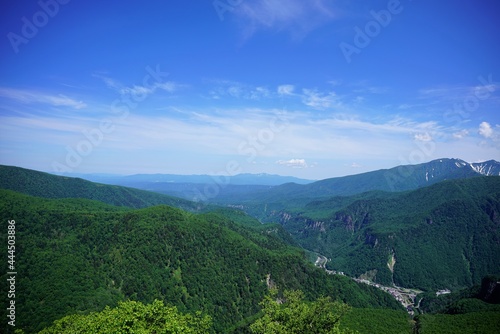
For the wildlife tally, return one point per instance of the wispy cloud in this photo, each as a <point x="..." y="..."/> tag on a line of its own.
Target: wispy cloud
<point x="233" y="89"/>
<point x="422" y="137"/>
<point x="294" y="16"/>
<point x="464" y="94"/>
<point x="393" y="126"/>
<point x="140" y="90"/>
<point x="294" y="163"/>
<point x="285" y="90"/>
<point x="298" y="141"/>
<point x="28" y="97"/>
<point x="460" y="134"/>
<point x="365" y="88"/>
<point x="318" y="100"/>
<point x="312" y="98"/>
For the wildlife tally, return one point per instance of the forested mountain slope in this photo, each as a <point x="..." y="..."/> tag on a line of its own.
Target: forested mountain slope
<point x="443" y="236"/>
<point x="76" y="255"/>
<point x="46" y="185"/>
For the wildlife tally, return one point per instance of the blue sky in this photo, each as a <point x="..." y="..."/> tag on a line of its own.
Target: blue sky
<point x="314" y="89"/>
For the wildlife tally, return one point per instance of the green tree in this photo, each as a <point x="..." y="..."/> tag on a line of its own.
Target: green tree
<point x="291" y="314"/>
<point x="133" y="317"/>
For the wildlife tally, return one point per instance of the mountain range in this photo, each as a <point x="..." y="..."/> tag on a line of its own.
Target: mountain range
<point x="270" y="188"/>
<point x="399" y="178"/>
<point x="238" y="179"/>
<point x="434" y="226"/>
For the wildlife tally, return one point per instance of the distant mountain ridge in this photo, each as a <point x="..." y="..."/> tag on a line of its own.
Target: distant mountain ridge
<point x="245" y="189"/>
<point x="400" y="178"/>
<point x="409" y="177"/>
<point x="263" y="179"/>
<point x="195" y="187"/>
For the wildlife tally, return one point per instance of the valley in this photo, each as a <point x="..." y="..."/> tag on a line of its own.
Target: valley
<point x="403" y="295"/>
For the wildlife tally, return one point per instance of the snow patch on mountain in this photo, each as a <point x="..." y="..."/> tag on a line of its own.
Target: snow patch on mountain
<point x="487" y="168"/>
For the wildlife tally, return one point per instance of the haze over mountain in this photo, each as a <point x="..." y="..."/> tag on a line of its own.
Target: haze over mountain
<point x="145" y="179"/>
<point x="272" y="188"/>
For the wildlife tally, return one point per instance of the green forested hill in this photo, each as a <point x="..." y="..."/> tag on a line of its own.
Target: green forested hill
<point x="75" y="256"/>
<point x="474" y="310"/>
<point x="443" y="236"/>
<point x="46" y="185"/>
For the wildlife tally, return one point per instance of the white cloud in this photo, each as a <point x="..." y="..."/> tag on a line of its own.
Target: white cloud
<point x="238" y="90"/>
<point x="259" y="92"/>
<point x="286" y="89"/>
<point x="168" y="86"/>
<point x="484" y="91"/>
<point x="391" y="127"/>
<point x="234" y="91"/>
<point x="444" y="93"/>
<point x="459" y="101"/>
<point x="422" y="137"/>
<point x="111" y="83"/>
<point x="355" y="165"/>
<point x="294" y="163"/>
<point x="485" y="130"/>
<point x="316" y="100"/>
<point x="26" y="96"/>
<point x="138" y="90"/>
<point x="460" y="134"/>
<point x="239" y="132"/>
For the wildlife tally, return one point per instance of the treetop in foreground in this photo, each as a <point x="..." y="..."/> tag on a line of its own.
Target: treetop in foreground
<point x="290" y="314"/>
<point x="133" y="317"/>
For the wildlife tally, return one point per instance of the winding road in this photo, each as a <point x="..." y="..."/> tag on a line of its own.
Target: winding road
<point x="403" y="295"/>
